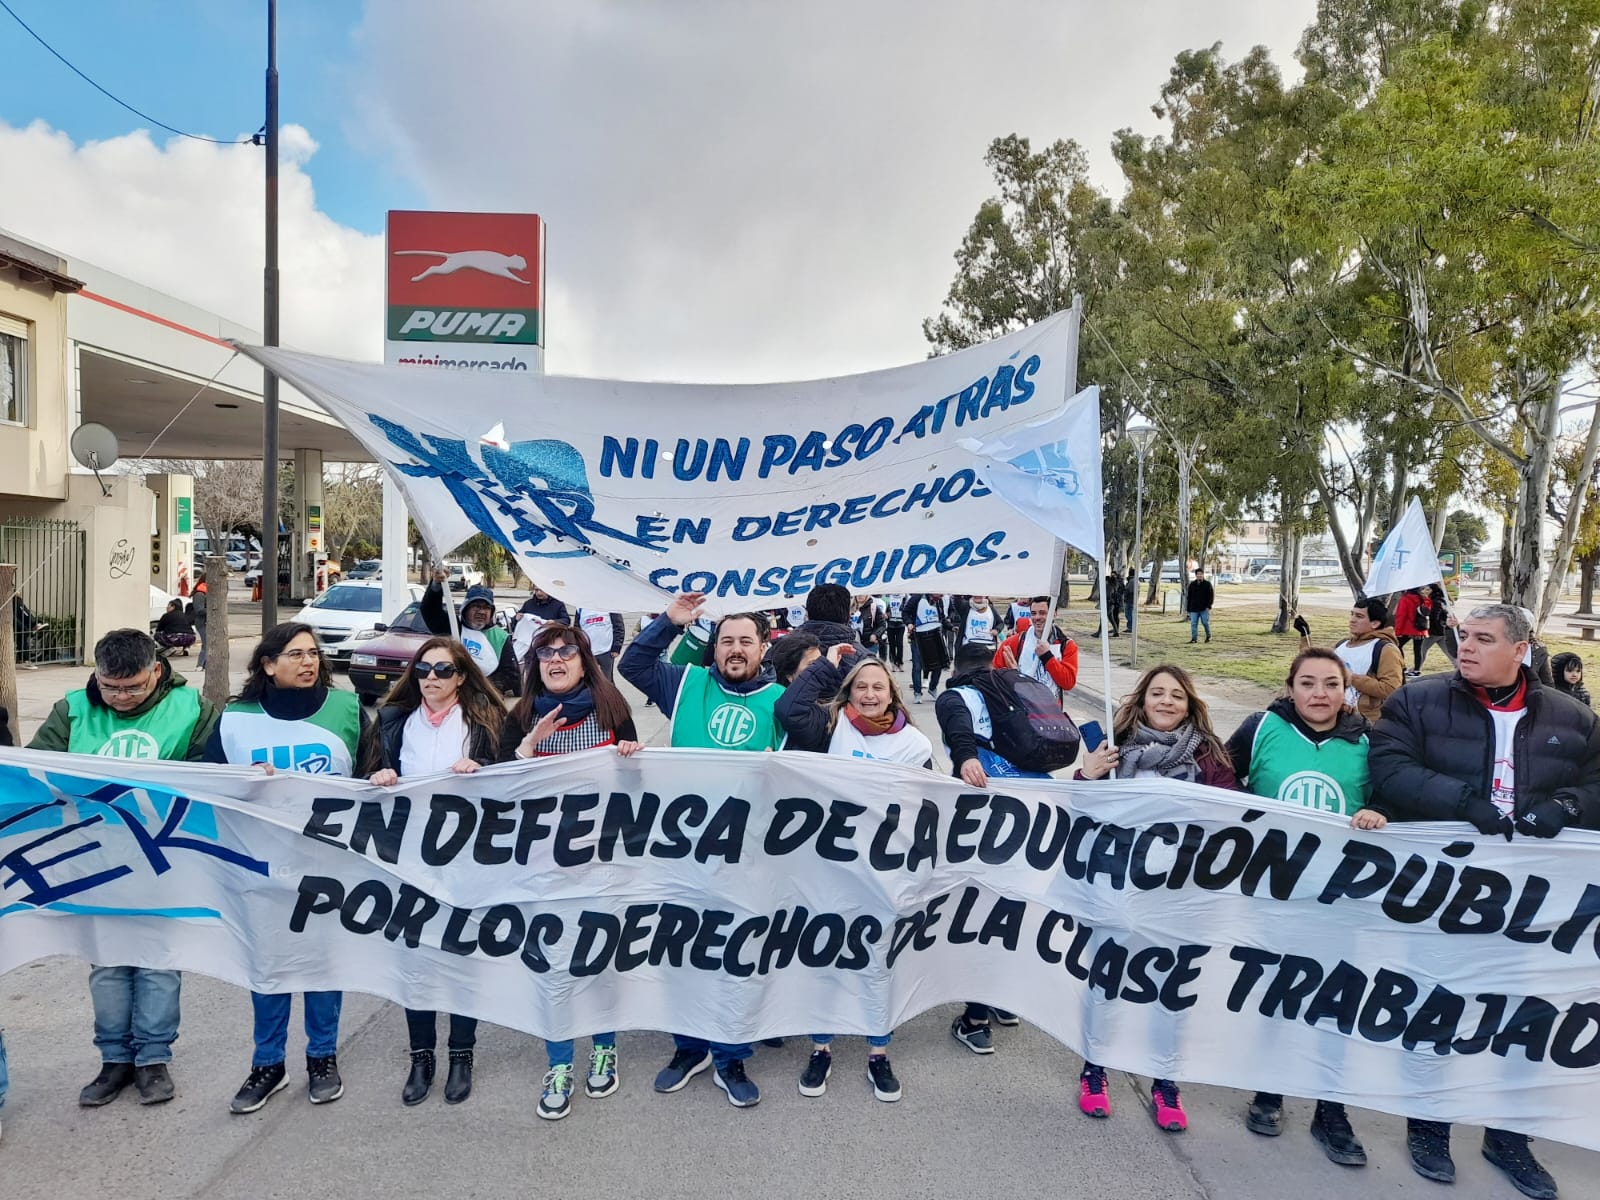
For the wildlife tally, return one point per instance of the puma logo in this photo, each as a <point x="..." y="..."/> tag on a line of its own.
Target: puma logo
<point x="490" y="262"/>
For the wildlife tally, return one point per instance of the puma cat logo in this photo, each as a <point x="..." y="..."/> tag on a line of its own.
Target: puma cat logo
<point x="490" y="262"/>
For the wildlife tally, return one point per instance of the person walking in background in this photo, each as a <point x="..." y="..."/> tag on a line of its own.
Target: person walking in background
<point x="199" y="601"/>
<point x="442" y="715"/>
<point x="1411" y="616"/>
<point x="290" y="717"/>
<point x="1040" y="650"/>
<point x="1130" y="595"/>
<point x="606" y="633"/>
<point x="1199" y="599"/>
<point x="894" y="629"/>
<point x="1113" y="602"/>
<point x="133" y="707"/>
<point x="1163" y="731"/>
<point x="1567" y="671"/>
<point x="925" y="618"/>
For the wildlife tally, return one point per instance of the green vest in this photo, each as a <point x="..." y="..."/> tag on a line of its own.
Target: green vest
<point x="707" y="717"/>
<point x="163" y="731"/>
<point x="1330" y="776"/>
<point x="690" y="648"/>
<point x="325" y="743"/>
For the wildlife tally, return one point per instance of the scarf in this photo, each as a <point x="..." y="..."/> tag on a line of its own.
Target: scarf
<point x="437" y="719"/>
<point x="575" y="705"/>
<point x="873" y="726"/>
<point x="1170" y="755"/>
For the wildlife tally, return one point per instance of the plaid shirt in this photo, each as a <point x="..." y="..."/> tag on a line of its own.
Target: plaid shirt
<point x="568" y="739"/>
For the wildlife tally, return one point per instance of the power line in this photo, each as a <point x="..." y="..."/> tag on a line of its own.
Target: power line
<point x="143" y="116"/>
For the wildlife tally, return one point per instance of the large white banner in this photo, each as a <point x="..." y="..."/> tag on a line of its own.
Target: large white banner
<point x="1155" y="927"/>
<point x="612" y="493"/>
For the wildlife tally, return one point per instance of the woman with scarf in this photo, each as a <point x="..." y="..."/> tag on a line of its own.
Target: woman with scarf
<point x="442" y="716"/>
<point x="1310" y="748"/>
<point x="861" y="715"/>
<point x="568" y="705"/>
<point x="1163" y="731"/>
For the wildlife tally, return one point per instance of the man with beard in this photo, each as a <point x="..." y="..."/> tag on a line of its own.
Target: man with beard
<point x="726" y="706"/>
<point x="1490" y="746"/>
<point x="489" y="645"/>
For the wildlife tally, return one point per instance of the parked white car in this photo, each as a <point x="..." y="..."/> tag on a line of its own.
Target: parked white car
<point x="158" y="603"/>
<point x="462" y="576"/>
<point x="345" y="609"/>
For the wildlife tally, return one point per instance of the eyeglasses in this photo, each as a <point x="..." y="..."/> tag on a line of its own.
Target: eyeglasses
<point x="301" y="655"/>
<point x="551" y="653"/>
<point x="442" y="670"/>
<point x="125" y="692"/>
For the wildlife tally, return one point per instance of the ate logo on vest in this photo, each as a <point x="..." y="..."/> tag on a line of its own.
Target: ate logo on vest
<point x="731" y="725"/>
<point x="130" y="743"/>
<point x="309" y="758"/>
<point x="1311" y="789"/>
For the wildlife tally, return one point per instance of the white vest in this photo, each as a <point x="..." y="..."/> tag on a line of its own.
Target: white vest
<point x="481" y="649"/>
<point x="980" y="626"/>
<point x="927" y="615"/>
<point x="908" y="744"/>
<point x="598" y="627"/>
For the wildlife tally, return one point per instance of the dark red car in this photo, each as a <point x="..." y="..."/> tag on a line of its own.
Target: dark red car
<point x="377" y="661"/>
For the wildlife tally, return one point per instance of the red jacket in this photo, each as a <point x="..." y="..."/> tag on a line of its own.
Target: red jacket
<point x="1061" y="666"/>
<point x="1411" y="616"/>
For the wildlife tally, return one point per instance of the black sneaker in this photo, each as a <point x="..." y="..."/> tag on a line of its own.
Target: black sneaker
<point x="154" y="1083"/>
<point x="106" y="1086"/>
<point x="1429" y="1144"/>
<point x="740" y="1089"/>
<point x="1330" y="1126"/>
<point x="1510" y="1152"/>
<point x="814" y="1079"/>
<point x="1266" y="1114"/>
<point x="259" y="1088"/>
<point x="977" y="1038"/>
<point x="884" y="1085"/>
<point x="1002" y="1017"/>
<point x="685" y="1065"/>
<point x="773" y="1043"/>
<point x="323" y="1083"/>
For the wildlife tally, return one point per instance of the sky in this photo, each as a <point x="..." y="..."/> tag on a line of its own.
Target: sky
<point x="734" y="191"/>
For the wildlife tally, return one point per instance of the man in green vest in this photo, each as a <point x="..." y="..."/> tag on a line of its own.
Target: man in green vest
<point x="726" y="706"/>
<point x="133" y="707"/>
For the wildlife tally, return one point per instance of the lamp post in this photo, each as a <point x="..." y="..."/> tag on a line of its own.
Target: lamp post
<point x="1141" y="436"/>
<point x="269" y="337"/>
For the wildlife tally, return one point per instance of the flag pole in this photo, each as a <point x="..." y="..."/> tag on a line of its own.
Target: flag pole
<point x="1059" y="558"/>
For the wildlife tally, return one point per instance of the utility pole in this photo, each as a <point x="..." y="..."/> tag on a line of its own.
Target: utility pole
<point x="269" y="331"/>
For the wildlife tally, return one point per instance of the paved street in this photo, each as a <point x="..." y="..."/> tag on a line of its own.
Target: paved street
<point x="1006" y="1125"/>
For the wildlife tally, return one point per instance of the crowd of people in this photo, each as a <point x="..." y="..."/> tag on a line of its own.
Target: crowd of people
<point x="1512" y="749"/>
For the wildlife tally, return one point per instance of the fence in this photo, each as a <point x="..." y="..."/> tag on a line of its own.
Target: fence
<point x="47" y="612"/>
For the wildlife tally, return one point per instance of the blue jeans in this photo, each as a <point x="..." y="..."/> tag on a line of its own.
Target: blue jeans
<point x="561" y="1052"/>
<point x="135" y="1014"/>
<point x="1127" y="610"/>
<point x="877" y="1043"/>
<point x="1197" y="619"/>
<point x="5" y="1076"/>
<point x="722" y="1053"/>
<point x="272" y="1025"/>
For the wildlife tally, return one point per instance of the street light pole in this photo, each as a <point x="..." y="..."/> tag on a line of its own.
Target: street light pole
<point x="269" y="336"/>
<point x="1141" y="436"/>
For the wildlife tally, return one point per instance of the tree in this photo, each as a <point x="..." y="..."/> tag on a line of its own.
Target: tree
<point x="227" y="494"/>
<point x="352" y="506"/>
<point x="1464" y="531"/>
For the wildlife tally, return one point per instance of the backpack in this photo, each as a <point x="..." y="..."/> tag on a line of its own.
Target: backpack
<point x="1029" y="729"/>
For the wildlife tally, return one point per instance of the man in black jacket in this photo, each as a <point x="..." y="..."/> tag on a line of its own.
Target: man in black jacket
<point x="1198" y="601"/>
<point x="828" y="617"/>
<point x="1490" y="746"/>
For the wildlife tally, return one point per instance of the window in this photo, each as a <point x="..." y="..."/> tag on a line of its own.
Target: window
<point x="13" y="371"/>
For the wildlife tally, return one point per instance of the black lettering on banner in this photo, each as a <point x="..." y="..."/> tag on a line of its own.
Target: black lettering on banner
<point x="1074" y="957"/>
<point x="784" y="938"/>
<point x="316" y="894"/>
<point x="1436" y="1021"/>
<point x="1388" y="1005"/>
<point x="732" y="963"/>
<point x="597" y="941"/>
<point x="1253" y="963"/>
<point x="709" y="938"/>
<point x="1530" y="1027"/>
<point x="1482" y="1038"/>
<point x="574" y="826"/>
<point x="544" y="929"/>
<point x="1535" y="891"/>
<point x="501" y="930"/>
<point x="1045" y="853"/>
<point x="629" y="822"/>
<point x="1274" y="862"/>
<point x="413" y="908"/>
<point x="724" y="835"/>
<point x="878" y="856"/>
<point x="924" y="837"/>
<point x="1339" y="997"/>
<point x="1138" y="872"/>
<point x="795" y="820"/>
<point x="1173" y="997"/>
<point x="1044" y="940"/>
<point x="1397" y="906"/>
<point x="1223" y="858"/>
<point x="350" y="915"/>
<point x="1585" y="914"/>
<point x="1105" y="971"/>
<point x="864" y="933"/>
<point x="822" y="940"/>
<point x="530" y="827"/>
<point x="674" y="931"/>
<point x="1183" y="862"/>
<point x="834" y="840"/>
<point x="1004" y="923"/>
<point x="1481" y="894"/>
<point x="1142" y="989"/>
<point x="635" y="928"/>
<point x="1363" y="871"/>
<point x="456" y="813"/>
<point x="493" y="822"/>
<point x="383" y="831"/>
<point x="318" y="825"/>
<point x="454" y="940"/>
<point x="959" y="934"/>
<point x="690" y="810"/>
<point x="1108" y="855"/>
<point x="963" y="824"/>
<point x="1004" y="832"/>
<point x="1082" y="827"/>
<point x="1565" y="1049"/>
<point x="1297" y="979"/>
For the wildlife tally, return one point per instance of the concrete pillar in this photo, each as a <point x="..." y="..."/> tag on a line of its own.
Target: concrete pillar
<point x="172" y="561"/>
<point x="307" y="545"/>
<point x="395" y="549"/>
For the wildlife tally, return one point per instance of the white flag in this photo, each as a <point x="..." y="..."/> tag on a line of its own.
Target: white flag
<point x="1407" y="558"/>
<point x="1049" y="471"/>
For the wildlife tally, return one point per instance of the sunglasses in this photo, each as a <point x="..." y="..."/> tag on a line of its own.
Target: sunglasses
<point x="442" y="670"/>
<point x="551" y="653"/>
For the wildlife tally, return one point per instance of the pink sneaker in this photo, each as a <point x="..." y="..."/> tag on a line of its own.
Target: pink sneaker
<point x="1168" y="1107"/>
<point x="1092" y="1098"/>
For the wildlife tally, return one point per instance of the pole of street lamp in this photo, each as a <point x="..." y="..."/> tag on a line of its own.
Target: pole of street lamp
<point x="1138" y="554"/>
<point x="269" y="336"/>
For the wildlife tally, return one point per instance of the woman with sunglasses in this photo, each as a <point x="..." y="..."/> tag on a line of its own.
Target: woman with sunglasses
<point x="442" y="715"/>
<point x="568" y="705"/>
<point x="289" y="717"/>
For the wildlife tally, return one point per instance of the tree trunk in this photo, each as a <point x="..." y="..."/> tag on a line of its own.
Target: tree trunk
<point x="1586" y="568"/>
<point x="217" y="683"/>
<point x="1349" y="563"/>
<point x="1508" y="537"/>
<point x="1185" y="465"/>
<point x="1533" y="491"/>
<point x="1561" y="559"/>
<point x="1289" y="542"/>
<point x="8" y="652"/>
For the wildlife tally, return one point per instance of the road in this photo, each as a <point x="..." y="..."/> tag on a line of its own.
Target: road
<point x="1005" y="1125"/>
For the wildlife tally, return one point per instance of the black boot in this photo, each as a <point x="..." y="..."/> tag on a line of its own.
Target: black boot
<point x="1510" y="1152"/>
<point x="1429" y="1145"/>
<point x="1331" y="1128"/>
<point x="106" y="1086"/>
<point x="420" y="1079"/>
<point x="458" y="1086"/>
<point x="1266" y="1114"/>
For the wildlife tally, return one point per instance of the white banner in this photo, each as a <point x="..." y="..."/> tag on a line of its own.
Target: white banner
<point x="1156" y="927"/>
<point x="611" y="493"/>
<point x="1407" y="558"/>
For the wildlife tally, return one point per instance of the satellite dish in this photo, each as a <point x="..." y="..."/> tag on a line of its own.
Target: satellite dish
<point x="95" y="447"/>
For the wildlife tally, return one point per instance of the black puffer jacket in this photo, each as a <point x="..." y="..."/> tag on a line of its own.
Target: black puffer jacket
<point x="1432" y="752"/>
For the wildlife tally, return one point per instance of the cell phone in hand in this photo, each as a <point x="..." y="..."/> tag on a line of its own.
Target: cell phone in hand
<point x="1093" y="735"/>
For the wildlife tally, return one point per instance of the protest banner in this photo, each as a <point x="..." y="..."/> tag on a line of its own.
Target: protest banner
<point x="612" y="494"/>
<point x="1153" y="926"/>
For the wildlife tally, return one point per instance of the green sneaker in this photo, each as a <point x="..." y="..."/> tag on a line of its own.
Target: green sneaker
<point x="602" y="1079"/>
<point x="557" y="1099"/>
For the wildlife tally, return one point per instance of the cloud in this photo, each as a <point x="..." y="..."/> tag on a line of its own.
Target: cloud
<point x="756" y="191"/>
<point x="186" y="218"/>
